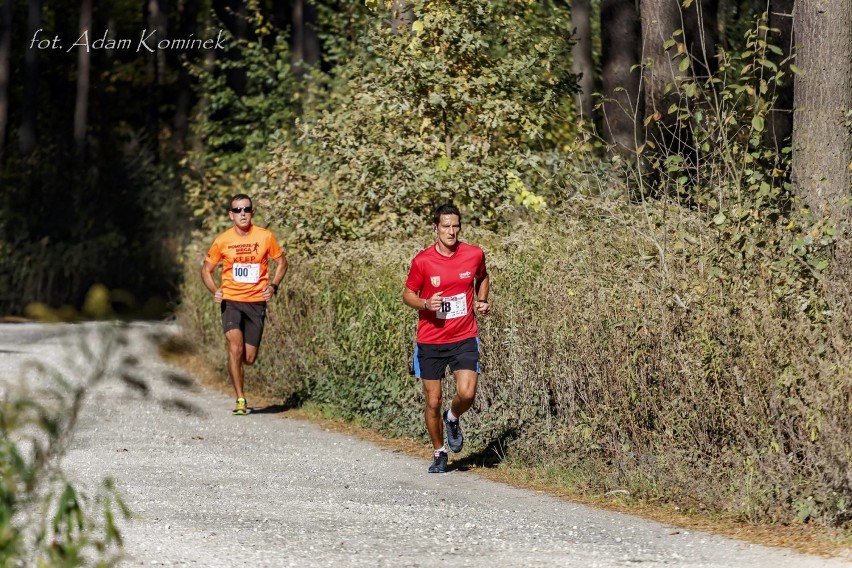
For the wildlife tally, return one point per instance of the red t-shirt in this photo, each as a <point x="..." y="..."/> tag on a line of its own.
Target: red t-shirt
<point x="454" y="275"/>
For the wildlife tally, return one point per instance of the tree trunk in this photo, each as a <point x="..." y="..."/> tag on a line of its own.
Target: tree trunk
<point x="620" y="52"/>
<point x="234" y="14"/>
<point x="155" y="16"/>
<point x="81" y="105"/>
<point x="403" y="16"/>
<point x="305" y="43"/>
<point x="183" y="103"/>
<point x="780" y="123"/>
<point x="5" y="69"/>
<point x="581" y="53"/>
<point x="29" y="111"/>
<point x="822" y="142"/>
<point x="701" y="28"/>
<point x="660" y="19"/>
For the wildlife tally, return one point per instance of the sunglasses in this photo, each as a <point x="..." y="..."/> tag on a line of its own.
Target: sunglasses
<point x="241" y="209"/>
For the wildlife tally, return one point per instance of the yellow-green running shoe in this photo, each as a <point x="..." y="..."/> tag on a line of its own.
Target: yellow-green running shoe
<point x="241" y="409"/>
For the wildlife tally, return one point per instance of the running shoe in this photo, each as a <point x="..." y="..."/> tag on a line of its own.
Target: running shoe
<point x="241" y="409"/>
<point x="440" y="463"/>
<point x="455" y="440"/>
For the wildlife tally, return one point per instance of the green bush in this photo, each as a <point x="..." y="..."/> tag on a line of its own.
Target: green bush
<point x="674" y="385"/>
<point x="44" y="519"/>
<point x="457" y="107"/>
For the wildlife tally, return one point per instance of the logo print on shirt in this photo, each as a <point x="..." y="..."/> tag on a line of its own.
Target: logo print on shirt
<point x="435" y="280"/>
<point x="464" y="274"/>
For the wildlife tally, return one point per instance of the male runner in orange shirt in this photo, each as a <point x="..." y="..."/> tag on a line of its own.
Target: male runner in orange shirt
<point x="244" y="250"/>
<point x="448" y="284"/>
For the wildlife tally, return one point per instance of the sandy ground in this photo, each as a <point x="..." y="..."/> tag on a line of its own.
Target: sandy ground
<point x="211" y="489"/>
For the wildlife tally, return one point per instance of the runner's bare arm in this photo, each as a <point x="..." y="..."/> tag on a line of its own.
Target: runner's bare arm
<point x="481" y="289"/>
<point x="280" y="271"/>
<point x="207" y="277"/>
<point x="413" y="300"/>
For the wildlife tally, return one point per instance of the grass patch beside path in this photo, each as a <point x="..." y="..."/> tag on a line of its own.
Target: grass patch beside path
<point x="808" y="539"/>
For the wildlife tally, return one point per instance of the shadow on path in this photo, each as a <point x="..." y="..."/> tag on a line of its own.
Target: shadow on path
<point x="489" y="456"/>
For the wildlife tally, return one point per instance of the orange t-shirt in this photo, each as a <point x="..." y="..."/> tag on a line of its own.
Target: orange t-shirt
<point x="245" y="262"/>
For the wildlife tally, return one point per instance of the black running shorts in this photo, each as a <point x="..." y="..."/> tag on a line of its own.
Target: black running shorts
<point x="248" y="317"/>
<point x="431" y="359"/>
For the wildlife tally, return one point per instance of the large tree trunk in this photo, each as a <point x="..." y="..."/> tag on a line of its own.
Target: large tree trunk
<point x="780" y="123"/>
<point x="581" y="53"/>
<point x="5" y="68"/>
<point x="822" y="143"/>
<point x="620" y="81"/>
<point x="29" y="111"/>
<point x="81" y="105"/>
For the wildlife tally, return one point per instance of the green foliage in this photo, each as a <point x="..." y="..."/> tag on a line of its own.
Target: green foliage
<point x="44" y="519"/>
<point x="235" y="128"/>
<point x="724" y="169"/>
<point x="663" y="384"/>
<point x="454" y="108"/>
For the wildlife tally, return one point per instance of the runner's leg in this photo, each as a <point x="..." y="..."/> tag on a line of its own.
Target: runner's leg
<point x="432" y="413"/>
<point x="236" y="353"/>
<point x="465" y="391"/>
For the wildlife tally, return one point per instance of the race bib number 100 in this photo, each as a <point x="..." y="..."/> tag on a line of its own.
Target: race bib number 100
<point x="453" y="307"/>
<point x="246" y="273"/>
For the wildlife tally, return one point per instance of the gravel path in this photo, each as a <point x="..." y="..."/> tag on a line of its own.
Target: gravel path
<point x="214" y="490"/>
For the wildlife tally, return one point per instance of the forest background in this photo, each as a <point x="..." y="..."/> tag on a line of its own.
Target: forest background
<point x="662" y="189"/>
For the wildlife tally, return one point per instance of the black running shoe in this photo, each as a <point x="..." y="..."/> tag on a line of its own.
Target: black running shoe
<point x="455" y="440"/>
<point x="440" y="463"/>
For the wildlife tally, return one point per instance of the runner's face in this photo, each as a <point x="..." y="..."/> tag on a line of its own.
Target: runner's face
<point x="242" y="220"/>
<point x="448" y="229"/>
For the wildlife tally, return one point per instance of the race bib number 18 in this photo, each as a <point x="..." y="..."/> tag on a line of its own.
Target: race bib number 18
<point x="246" y="273"/>
<point x="453" y="307"/>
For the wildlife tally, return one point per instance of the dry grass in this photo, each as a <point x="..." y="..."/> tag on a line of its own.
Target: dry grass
<point x="606" y="365"/>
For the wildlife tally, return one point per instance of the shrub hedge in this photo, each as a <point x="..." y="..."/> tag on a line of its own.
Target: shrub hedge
<point x="616" y="367"/>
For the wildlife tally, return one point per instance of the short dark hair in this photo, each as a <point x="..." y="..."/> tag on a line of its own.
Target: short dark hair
<point x="445" y="209"/>
<point x="239" y="197"/>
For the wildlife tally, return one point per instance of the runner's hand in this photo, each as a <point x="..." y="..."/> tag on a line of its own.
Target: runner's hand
<point x="482" y="307"/>
<point x="268" y="292"/>
<point x="433" y="304"/>
<point x="218" y="296"/>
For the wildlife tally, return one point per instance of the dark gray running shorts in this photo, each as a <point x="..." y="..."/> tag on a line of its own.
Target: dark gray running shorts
<point x="248" y="317"/>
<point x="431" y="359"/>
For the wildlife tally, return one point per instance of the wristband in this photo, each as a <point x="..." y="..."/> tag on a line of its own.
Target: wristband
<point x="274" y="287"/>
<point x="483" y="301"/>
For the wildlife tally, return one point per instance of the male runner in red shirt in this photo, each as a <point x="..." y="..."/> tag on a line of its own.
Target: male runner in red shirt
<point x="447" y="283"/>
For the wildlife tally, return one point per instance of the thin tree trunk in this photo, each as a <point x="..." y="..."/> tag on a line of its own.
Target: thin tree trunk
<point x="701" y="28"/>
<point x="822" y="143"/>
<point x="234" y="15"/>
<point x="403" y="16"/>
<point x="660" y="19"/>
<point x="305" y="42"/>
<point x="81" y="105"/>
<point x="620" y="81"/>
<point x="5" y="68"/>
<point x="183" y="102"/>
<point x="155" y="16"/>
<point x="29" y="110"/>
<point x="780" y="123"/>
<point x="581" y="53"/>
